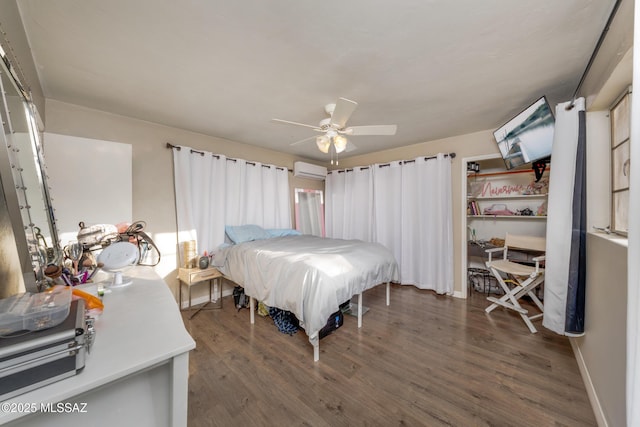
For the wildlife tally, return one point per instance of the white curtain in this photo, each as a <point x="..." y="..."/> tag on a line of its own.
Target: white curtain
<point x="565" y="270"/>
<point x="213" y="191"/>
<point x="349" y="191"/>
<point x="427" y="225"/>
<point x="387" y="180"/>
<point x="405" y="206"/>
<point x="333" y="203"/>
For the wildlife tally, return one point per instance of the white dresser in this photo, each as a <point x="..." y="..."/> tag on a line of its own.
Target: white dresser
<point x="137" y="372"/>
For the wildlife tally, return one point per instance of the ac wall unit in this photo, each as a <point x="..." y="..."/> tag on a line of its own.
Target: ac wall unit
<point x="309" y="171"/>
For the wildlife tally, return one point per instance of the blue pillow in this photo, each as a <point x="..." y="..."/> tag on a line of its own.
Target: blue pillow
<point x="246" y="233"/>
<point x="281" y="232"/>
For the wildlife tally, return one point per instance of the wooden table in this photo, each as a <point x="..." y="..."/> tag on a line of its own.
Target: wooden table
<point x="194" y="276"/>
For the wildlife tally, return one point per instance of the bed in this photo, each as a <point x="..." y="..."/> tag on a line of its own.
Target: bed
<point x="307" y="275"/>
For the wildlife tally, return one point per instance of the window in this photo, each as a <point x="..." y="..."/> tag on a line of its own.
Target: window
<point x="620" y="162"/>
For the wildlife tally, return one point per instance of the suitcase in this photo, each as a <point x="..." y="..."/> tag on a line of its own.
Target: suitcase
<point x="34" y="359"/>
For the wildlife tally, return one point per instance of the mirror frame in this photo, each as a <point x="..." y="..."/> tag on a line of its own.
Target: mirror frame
<point x="28" y="238"/>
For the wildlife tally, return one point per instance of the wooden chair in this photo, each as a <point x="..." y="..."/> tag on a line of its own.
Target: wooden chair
<point x="517" y="279"/>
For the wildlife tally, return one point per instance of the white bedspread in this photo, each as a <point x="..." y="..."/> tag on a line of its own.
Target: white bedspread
<point x="309" y="276"/>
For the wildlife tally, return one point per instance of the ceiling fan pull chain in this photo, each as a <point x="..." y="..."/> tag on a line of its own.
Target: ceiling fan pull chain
<point x="334" y="152"/>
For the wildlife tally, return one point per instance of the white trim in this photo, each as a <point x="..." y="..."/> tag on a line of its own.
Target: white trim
<point x="613" y="238"/>
<point x="458" y="294"/>
<point x="588" y="385"/>
<point x="463" y="215"/>
<point x="179" y="379"/>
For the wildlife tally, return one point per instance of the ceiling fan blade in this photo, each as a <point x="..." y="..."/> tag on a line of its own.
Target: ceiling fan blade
<point x="372" y="130"/>
<point x="303" y="140"/>
<point x="350" y="147"/>
<point x="287" y="122"/>
<point x="343" y="110"/>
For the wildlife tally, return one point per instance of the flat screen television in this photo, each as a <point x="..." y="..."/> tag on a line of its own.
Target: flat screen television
<point x="528" y="137"/>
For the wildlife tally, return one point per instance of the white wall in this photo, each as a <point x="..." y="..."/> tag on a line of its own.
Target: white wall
<point x="92" y="182"/>
<point x="601" y="353"/>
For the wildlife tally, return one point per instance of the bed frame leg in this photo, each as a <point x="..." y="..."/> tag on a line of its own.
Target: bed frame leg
<point x="315" y="342"/>
<point x="360" y="310"/>
<point x="252" y="305"/>
<point x="388" y="293"/>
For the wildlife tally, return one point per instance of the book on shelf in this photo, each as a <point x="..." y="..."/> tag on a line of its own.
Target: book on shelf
<point x="473" y="208"/>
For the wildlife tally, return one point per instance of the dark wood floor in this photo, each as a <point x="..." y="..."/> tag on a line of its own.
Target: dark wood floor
<point x="426" y="360"/>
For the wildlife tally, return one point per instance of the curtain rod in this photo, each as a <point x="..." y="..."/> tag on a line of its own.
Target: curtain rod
<point x="202" y="153"/>
<point x="595" y="51"/>
<point x="451" y="155"/>
<point x="177" y="147"/>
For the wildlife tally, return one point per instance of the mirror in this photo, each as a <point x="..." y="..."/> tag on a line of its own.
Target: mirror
<point x="24" y="181"/>
<point x="309" y="211"/>
<point x="11" y="281"/>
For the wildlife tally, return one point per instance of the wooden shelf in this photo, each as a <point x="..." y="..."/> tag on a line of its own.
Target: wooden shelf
<point x="507" y="216"/>
<point x="512" y="172"/>
<point x="515" y="196"/>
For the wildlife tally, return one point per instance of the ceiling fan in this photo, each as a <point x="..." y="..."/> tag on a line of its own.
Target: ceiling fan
<point x="334" y="128"/>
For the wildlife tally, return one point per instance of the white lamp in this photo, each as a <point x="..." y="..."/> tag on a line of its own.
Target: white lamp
<point x="323" y="143"/>
<point x="340" y="142"/>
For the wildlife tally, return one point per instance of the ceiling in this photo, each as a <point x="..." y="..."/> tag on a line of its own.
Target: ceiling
<point x="435" y="68"/>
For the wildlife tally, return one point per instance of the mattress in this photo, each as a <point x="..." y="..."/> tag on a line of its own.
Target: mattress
<point x="307" y="275"/>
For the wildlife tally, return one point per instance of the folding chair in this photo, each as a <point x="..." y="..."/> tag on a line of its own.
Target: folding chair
<point x="524" y="279"/>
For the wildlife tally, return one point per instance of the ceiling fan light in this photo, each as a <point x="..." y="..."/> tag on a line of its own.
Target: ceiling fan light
<point x="331" y="133"/>
<point x="323" y="143"/>
<point x="340" y="142"/>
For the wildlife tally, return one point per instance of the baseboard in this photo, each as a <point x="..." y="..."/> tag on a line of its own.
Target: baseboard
<point x="588" y="384"/>
<point x="458" y="294"/>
